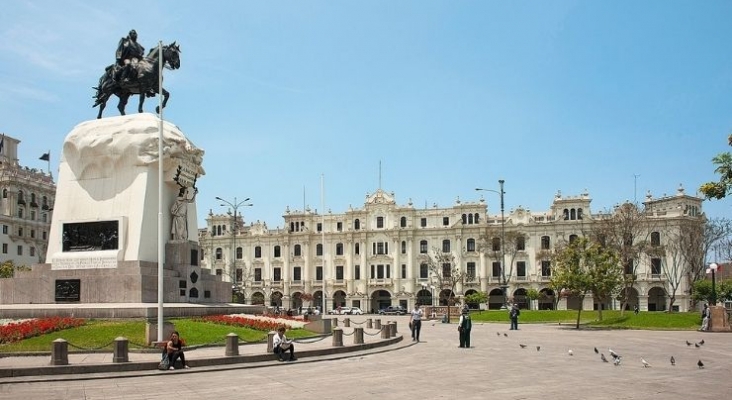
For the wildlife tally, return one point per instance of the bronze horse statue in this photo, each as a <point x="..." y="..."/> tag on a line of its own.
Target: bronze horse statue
<point x="144" y="84"/>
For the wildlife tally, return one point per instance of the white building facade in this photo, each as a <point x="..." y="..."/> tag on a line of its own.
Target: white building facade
<point x="26" y="202"/>
<point x="377" y="255"/>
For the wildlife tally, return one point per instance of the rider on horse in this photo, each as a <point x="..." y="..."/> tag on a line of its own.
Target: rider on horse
<point x="129" y="53"/>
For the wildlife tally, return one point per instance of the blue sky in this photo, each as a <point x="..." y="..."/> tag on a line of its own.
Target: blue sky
<point x="616" y="97"/>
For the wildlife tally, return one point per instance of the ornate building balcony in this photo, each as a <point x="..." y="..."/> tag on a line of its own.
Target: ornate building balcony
<point x="380" y="282"/>
<point x="297" y="284"/>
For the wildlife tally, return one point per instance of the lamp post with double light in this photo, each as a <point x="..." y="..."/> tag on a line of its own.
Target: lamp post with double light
<point x="501" y="192"/>
<point x="235" y="205"/>
<point x="713" y="269"/>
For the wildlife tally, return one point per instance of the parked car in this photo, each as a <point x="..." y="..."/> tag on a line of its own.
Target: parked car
<point x="356" y="311"/>
<point x="393" y="310"/>
<point x="340" y="311"/>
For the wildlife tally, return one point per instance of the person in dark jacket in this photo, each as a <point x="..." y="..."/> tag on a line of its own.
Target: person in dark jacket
<point x="464" y="327"/>
<point x="514" y="315"/>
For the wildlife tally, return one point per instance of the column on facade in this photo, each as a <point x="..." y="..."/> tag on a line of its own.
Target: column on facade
<point x="483" y="272"/>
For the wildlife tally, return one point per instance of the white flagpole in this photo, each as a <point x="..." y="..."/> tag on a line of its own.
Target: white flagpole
<point x="161" y="231"/>
<point x="322" y="234"/>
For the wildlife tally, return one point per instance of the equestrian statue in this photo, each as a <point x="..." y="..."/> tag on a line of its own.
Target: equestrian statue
<point x="135" y="74"/>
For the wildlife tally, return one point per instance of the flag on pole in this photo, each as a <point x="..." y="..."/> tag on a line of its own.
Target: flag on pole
<point x="46" y="156"/>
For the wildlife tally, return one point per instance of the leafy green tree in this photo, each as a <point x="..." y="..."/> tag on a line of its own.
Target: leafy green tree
<point x="703" y="290"/>
<point x="722" y="188"/>
<point x="8" y="268"/>
<point x="532" y="294"/>
<point x="476" y="298"/>
<point x="583" y="267"/>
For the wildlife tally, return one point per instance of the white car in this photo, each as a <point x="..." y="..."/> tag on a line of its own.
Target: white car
<point x="356" y="311"/>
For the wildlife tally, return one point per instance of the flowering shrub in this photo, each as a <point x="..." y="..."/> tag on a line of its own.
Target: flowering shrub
<point x="16" y="331"/>
<point x="253" y="322"/>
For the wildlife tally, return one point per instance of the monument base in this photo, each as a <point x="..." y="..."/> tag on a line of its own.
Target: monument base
<point x="719" y="320"/>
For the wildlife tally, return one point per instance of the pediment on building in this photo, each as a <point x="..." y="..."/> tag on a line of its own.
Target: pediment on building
<point x="380" y="197"/>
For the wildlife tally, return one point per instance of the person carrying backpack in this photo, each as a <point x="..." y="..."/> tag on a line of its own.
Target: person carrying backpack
<point x="514" y="314"/>
<point x="464" y="327"/>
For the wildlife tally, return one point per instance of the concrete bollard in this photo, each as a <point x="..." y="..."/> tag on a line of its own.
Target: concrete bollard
<point x="121" y="350"/>
<point x="358" y="335"/>
<point x="335" y="322"/>
<point x="270" y="341"/>
<point x="395" y="328"/>
<point x="392" y="328"/>
<point x="369" y="324"/>
<point x="60" y="352"/>
<point x="347" y="322"/>
<point x="232" y="345"/>
<point x="377" y="323"/>
<point x="385" y="332"/>
<point x="337" y="337"/>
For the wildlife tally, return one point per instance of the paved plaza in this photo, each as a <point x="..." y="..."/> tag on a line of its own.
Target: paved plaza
<point x="495" y="367"/>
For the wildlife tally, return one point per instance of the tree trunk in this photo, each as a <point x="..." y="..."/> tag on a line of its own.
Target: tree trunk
<point x="671" y="301"/>
<point x="579" y="312"/>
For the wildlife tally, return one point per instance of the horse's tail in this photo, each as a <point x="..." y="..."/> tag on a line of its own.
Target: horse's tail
<point x="103" y="90"/>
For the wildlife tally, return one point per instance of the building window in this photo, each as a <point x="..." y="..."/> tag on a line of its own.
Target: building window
<point x="356" y="248"/>
<point x="33" y="215"/>
<point x="258" y="252"/>
<point x="446" y="246"/>
<point x="546" y="268"/>
<point x="339" y="249"/>
<point x="219" y="272"/>
<point x="298" y="250"/>
<point x="219" y="253"/>
<point x="357" y="224"/>
<point x="339" y="226"/>
<point x="403" y="222"/>
<point x="446" y="270"/>
<point x="521" y="268"/>
<point x="470" y="270"/>
<point x="44" y="235"/>
<point x="404" y="247"/>
<point x="32" y="251"/>
<point x="5" y="193"/>
<point x="470" y="246"/>
<point x="239" y="253"/>
<point x="297" y="274"/>
<point x="33" y="233"/>
<point x="5" y="229"/>
<point x="423" y="222"/>
<point x="572" y="238"/>
<point x="20" y="232"/>
<point x="579" y="213"/>
<point x="20" y="250"/>
<point x="520" y="243"/>
<point x="424" y="271"/>
<point x="277" y="274"/>
<point x="496" y="269"/>
<point x="379" y="222"/>
<point x="545" y="243"/>
<point x="277" y="251"/>
<point x="319" y="249"/>
<point x="404" y="271"/>
<point x="357" y="272"/>
<point x="339" y="272"/>
<point x="239" y="274"/>
<point x="445" y="221"/>
<point x="655" y="239"/>
<point x="319" y="227"/>
<point x="5" y="248"/>
<point x="465" y="219"/>
<point x="257" y="274"/>
<point x="20" y="212"/>
<point x="496" y="244"/>
<point x="319" y="273"/>
<point x="380" y="248"/>
<point x="656" y="266"/>
<point x="423" y="247"/>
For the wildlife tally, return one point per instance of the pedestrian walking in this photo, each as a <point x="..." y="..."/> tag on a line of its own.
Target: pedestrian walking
<point x="415" y="322"/>
<point x="514" y="315"/>
<point x="705" y="317"/>
<point x="464" y="327"/>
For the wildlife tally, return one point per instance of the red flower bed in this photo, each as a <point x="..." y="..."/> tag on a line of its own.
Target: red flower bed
<point x="257" y="324"/>
<point x="14" y="332"/>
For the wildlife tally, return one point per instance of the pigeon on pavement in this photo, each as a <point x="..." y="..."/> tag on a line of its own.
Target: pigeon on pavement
<point x="596" y="351"/>
<point x="612" y="353"/>
<point x="617" y="360"/>
<point x="505" y="334"/>
<point x="688" y="343"/>
<point x="702" y="342"/>
<point x="700" y="364"/>
<point x="570" y="352"/>
<point x="602" y="357"/>
<point x="645" y="363"/>
<point x="523" y="346"/>
<point x="499" y="334"/>
<point x="538" y="348"/>
<point x="697" y="345"/>
<point x="673" y="361"/>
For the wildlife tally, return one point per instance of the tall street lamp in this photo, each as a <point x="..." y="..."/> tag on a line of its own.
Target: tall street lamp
<point x="234" y="228"/>
<point x="713" y="269"/>
<point x="501" y="192"/>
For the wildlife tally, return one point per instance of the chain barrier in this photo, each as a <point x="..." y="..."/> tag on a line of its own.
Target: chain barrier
<point x="311" y="340"/>
<point x="349" y="334"/>
<point x="90" y="348"/>
<point x="375" y="333"/>
<point x="358" y="323"/>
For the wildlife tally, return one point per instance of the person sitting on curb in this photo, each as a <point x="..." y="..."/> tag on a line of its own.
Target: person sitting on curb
<point x="175" y="350"/>
<point x="281" y="344"/>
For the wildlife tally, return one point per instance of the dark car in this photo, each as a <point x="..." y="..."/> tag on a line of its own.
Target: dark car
<point x="393" y="310"/>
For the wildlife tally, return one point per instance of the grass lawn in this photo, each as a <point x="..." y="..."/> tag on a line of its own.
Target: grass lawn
<point x="100" y="335"/>
<point x="610" y="319"/>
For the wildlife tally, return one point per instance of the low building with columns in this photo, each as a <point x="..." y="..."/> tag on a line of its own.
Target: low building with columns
<point x="378" y="255"/>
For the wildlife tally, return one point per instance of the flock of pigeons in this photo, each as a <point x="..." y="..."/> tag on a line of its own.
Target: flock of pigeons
<point x="617" y="358"/>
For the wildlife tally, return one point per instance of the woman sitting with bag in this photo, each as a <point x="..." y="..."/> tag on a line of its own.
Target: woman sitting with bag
<point x="175" y="350"/>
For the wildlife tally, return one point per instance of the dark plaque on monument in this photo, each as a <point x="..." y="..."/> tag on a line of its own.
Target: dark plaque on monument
<point x="91" y="236"/>
<point x="68" y="290"/>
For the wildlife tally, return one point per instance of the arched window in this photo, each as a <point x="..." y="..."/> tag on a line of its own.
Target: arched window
<point x="297" y="250"/>
<point x="219" y="253"/>
<point x="566" y="214"/>
<point x="257" y="251"/>
<point x="403" y="222"/>
<point x="5" y="193"/>
<point x="423" y="247"/>
<point x="520" y="243"/>
<point x="470" y="219"/>
<point x="379" y="222"/>
<point x="579" y="213"/>
<point x="292" y="227"/>
<point x="239" y="253"/>
<point x="277" y="251"/>
<point x="446" y="246"/>
<point x="319" y="249"/>
<point x="477" y="218"/>
<point x="470" y="246"/>
<point x="545" y="243"/>
<point x="572" y="214"/>
<point x="465" y="219"/>
<point x="572" y="238"/>
<point x="496" y="244"/>
<point x="655" y="239"/>
<point x="339" y="249"/>
<point x="357" y="224"/>
<point x="404" y="247"/>
<point x="21" y="200"/>
<point x="356" y="248"/>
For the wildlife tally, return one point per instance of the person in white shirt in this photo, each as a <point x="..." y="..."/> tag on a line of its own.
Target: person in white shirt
<point x="415" y="322"/>
<point x="280" y="345"/>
